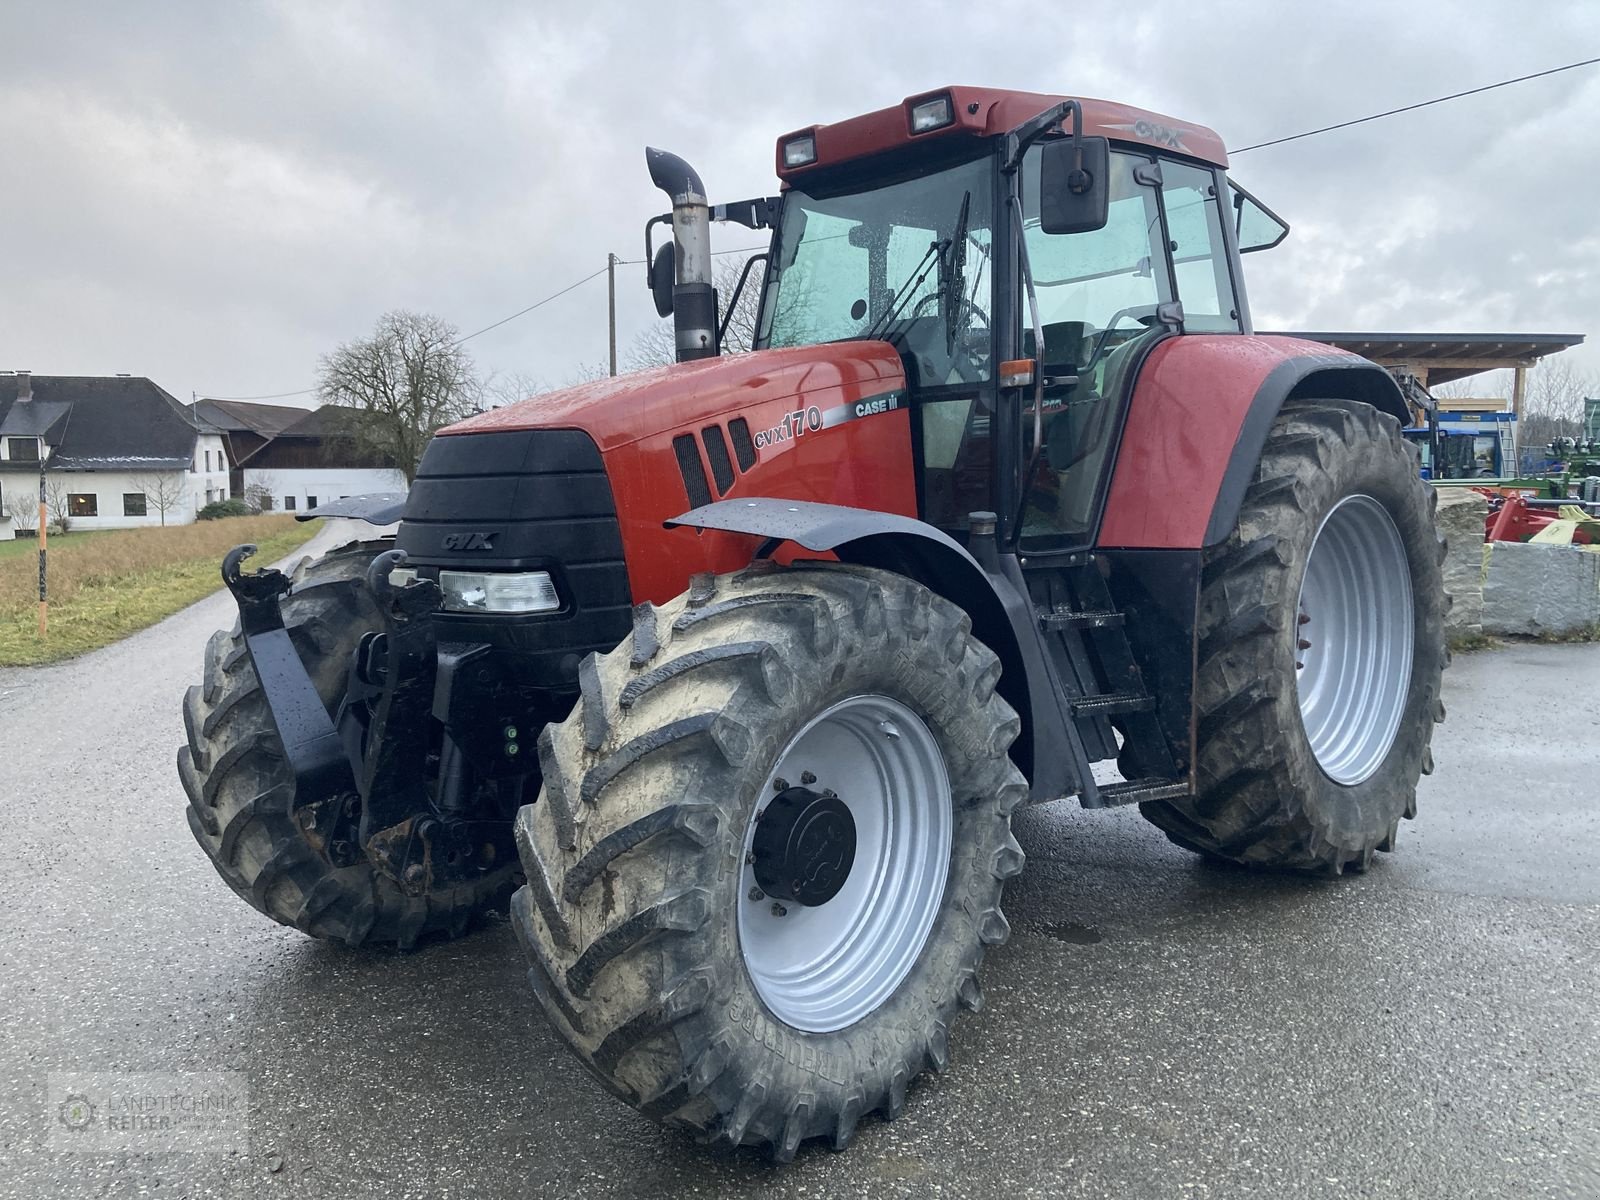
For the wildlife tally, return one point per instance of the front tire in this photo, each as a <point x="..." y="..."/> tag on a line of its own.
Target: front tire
<point x="1321" y="650"/>
<point x="644" y="916"/>
<point x="240" y="786"/>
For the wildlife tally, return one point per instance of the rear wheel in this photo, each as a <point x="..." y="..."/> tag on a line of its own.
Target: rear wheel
<point x="769" y="852"/>
<point x="1321" y="648"/>
<point x="240" y="787"/>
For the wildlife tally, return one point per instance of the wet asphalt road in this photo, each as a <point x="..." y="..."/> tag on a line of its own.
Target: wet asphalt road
<point x="1155" y="1027"/>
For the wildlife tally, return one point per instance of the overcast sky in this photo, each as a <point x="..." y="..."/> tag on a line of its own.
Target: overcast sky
<point x="215" y="194"/>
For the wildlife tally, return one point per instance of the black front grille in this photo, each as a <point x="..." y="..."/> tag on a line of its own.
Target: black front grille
<point x="531" y="500"/>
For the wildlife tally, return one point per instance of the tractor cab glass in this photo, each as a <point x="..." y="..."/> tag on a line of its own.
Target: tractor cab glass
<point x="907" y="262"/>
<point x="1100" y="295"/>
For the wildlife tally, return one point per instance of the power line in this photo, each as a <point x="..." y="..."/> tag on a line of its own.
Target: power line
<point x="274" y="396"/>
<point x="1488" y="87"/>
<point x="525" y="311"/>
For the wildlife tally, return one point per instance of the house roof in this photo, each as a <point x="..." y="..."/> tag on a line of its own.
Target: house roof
<point x="239" y="416"/>
<point x="328" y="421"/>
<point x="96" y="421"/>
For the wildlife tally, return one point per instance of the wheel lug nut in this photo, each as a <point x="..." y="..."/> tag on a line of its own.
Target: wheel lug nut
<point x="1304" y="645"/>
<point x="1305" y="618"/>
<point x="807" y="777"/>
<point x="749" y="858"/>
<point x="1299" y="666"/>
<point x="758" y="895"/>
<point x="779" y="910"/>
<point x="780" y="784"/>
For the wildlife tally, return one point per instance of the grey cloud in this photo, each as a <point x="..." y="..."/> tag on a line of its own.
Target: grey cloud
<point x="216" y="194"/>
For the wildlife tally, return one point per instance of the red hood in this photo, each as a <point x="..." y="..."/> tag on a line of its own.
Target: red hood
<point x="616" y="412"/>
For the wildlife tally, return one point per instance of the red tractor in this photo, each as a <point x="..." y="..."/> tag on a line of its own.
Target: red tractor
<point x="730" y="675"/>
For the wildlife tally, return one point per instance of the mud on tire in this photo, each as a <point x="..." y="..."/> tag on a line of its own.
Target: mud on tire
<point x="240" y="787"/>
<point x="635" y="861"/>
<point x="1263" y="799"/>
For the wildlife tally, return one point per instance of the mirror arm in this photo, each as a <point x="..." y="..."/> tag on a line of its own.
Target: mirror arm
<point x="738" y="290"/>
<point x="1031" y="130"/>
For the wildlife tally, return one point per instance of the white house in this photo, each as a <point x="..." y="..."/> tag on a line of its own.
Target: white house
<point x="118" y="451"/>
<point x="300" y="465"/>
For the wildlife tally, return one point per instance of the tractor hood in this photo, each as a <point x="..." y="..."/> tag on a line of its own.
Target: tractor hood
<point x="759" y="386"/>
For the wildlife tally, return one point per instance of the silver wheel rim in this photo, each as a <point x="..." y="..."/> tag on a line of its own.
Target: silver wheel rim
<point x="1353" y="664"/>
<point x="822" y="968"/>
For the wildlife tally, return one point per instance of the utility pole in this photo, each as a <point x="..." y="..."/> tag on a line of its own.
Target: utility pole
<point x="611" y="305"/>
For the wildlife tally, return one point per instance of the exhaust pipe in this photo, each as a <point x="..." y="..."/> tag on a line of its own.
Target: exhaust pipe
<point x="694" y="300"/>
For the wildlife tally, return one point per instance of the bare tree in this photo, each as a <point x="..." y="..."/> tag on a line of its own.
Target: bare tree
<point x="258" y="494"/>
<point x="1552" y="405"/>
<point x="58" y="504"/>
<point x="23" y="508"/>
<point x="163" y="490"/>
<point x="653" y="346"/>
<point x="400" y="384"/>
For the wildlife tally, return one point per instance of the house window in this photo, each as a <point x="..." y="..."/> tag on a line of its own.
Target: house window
<point x="25" y="449"/>
<point x="83" y="504"/>
<point x="288" y="504"/>
<point x="133" y="504"/>
<point x="266" y="502"/>
<point x="208" y="461"/>
<point x="311" y="501"/>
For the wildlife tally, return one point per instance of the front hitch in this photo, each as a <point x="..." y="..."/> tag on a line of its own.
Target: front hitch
<point x="361" y="780"/>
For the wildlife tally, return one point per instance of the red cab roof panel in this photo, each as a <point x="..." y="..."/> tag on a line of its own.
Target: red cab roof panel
<point x="989" y="112"/>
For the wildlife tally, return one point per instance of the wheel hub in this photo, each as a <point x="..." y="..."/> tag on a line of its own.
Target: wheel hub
<point x="804" y="846"/>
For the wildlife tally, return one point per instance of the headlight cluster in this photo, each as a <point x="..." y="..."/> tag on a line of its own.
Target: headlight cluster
<point x="494" y="592"/>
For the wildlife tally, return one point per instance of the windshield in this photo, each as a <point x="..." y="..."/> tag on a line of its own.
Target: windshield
<point x="907" y="262"/>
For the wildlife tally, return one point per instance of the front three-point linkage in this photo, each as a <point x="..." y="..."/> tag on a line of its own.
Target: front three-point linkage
<point x="365" y="782"/>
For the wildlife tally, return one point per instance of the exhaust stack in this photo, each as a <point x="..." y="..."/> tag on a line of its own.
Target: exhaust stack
<point x="694" y="300"/>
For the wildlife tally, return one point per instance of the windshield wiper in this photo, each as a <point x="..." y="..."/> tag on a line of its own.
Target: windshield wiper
<point x="954" y="289"/>
<point x="880" y="328"/>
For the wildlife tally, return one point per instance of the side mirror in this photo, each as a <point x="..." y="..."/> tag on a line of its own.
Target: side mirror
<point x="1074" y="194"/>
<point x="663" y="274"/>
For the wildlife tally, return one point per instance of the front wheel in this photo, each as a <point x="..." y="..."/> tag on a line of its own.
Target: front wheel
<point x="1321" y="648"/>
<point x="769" y="852"/>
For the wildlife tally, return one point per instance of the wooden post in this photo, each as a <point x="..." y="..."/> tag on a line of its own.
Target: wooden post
<point x="1519" y="393"/>
<point x="44" y="525"/>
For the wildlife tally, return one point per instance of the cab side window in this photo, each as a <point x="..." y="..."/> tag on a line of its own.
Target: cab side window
<point x="1199" y="255"/>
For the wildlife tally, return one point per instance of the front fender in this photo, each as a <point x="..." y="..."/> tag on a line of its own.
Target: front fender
<point x="1002" y="615"/>
<point x="1199" y="418"/>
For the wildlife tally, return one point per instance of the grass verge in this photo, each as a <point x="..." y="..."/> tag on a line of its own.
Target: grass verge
<point x="105" y="586"/>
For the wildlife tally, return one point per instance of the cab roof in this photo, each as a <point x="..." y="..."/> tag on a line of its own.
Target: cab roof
<point x="989" y="112"/>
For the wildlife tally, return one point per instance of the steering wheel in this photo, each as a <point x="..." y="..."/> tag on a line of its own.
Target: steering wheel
<point x="1147" y="315"/>
<point x="971" y="342"/>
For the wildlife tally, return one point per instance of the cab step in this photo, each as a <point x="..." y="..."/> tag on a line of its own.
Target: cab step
<point x="1112" y="703"/>
<point x="1066" y="618"/>
<point x="1138" y="791"/>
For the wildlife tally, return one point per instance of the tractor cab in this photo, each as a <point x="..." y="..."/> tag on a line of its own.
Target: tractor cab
<point x="1021" y="254"/>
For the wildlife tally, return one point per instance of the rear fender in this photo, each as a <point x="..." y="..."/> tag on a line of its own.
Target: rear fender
<point x="1200" y="416"/>
<point x="1002" y="615"/>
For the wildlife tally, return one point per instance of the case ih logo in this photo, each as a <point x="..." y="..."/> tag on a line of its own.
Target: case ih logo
<point x="469" y="541"/>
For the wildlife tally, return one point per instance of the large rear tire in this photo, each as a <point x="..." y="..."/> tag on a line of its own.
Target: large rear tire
<point x="1321" y="650"/>
<point x="692" y="993"/>
<point x="239" y="785"/>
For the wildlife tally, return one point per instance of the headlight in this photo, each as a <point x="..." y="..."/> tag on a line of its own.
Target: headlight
<point x="799" y="151"/>
<point x="931" y="114"/>
<point x="490" y="591"/>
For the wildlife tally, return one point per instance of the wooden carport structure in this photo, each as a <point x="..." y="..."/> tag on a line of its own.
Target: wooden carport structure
<point x="1438" y="358"/>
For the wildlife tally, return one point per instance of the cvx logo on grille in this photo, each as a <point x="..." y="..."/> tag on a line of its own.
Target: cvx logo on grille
<point x="469" y="541"/>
